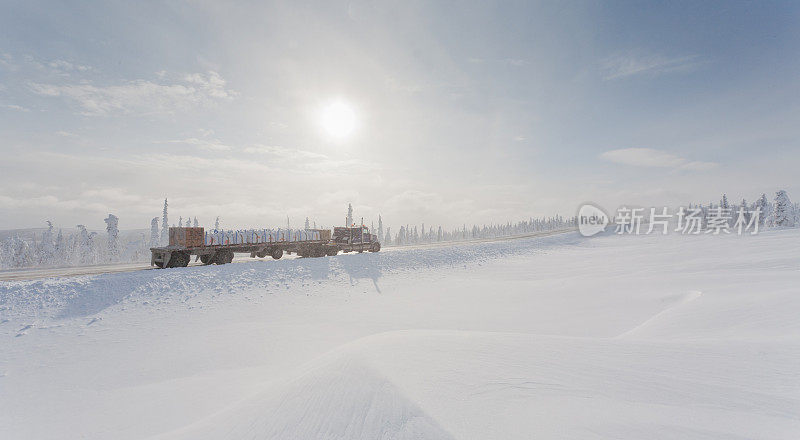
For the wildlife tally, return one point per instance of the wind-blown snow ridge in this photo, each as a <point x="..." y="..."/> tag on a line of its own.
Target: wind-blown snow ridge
<point x="388" y="385"/>
<point x="340" y="395"/>
<point x="683" y="299"/>
<point x="87" y="295"/>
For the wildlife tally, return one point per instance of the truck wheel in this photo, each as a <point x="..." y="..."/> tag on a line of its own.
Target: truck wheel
<point x="277" y="253"/>
<point x="179" y="259"/>
<point x="262" y="254"/>
<point x="206" y="259"/>
<point x="375" y="247"/>
<point x="223" y="257"/>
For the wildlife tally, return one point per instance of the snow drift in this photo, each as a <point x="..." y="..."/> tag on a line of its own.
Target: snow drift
<point x="634" y="337"/>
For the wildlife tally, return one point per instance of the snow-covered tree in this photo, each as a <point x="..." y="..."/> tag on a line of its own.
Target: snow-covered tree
<point x="47" y="253"/>
<point x="154" y="232"/>
<point x="308" y="224"/>
<point x="764" y="206"/>
<point x="112" y="228"/>
<point x="136" y="250"/>
<point x="796" y="211"/>
<point x="380" y="227"/>
<point x="18" y="252"/>
<point x="62" y="249"/>
<point x="180" y="221"/>
<point x="164" y="226"/>
<point x="725" y="206"/>
<point x="782" y="214"/>
<point x="349" y="214"/>
<point x="84" y="247"/>
<point x="216" y="224"/>
<point x="196" y="224"/>
<point x="388" y="239"/>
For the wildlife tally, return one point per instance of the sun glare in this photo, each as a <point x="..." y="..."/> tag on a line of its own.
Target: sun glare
<point x="338" y="119"/>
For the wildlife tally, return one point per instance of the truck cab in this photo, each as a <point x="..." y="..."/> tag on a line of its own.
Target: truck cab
<point x="353" y="235"/>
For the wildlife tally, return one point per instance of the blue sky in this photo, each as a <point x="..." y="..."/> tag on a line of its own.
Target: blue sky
<point x="465" y="112"/>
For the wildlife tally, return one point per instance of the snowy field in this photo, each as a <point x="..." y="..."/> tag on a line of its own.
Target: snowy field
<point x="636" y="337"/>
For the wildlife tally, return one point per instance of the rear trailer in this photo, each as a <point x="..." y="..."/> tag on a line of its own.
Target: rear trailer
<point x="219" y="248"/>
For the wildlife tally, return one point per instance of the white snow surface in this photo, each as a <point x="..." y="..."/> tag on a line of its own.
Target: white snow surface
<point x="633" y="337"/>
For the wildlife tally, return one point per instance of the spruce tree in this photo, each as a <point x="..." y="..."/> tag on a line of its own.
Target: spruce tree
<point x="112" y="243"/>
<point x="782" y="214"/>
<point x="349" y="215"/>
<point x="164" y="226"/>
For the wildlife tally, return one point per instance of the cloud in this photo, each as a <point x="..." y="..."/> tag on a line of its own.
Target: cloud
<point x="66" y="66"/>
<point x="516" y="62"/>
<point x="425" y="205"/>
<point x="652" y="158"/>
<point x="623" y="66"/>
<point x="141" y="96"/>
<point x="284" y="152"/>
<point x="698" y="166"/>
<point x="309" y="161"/>
<point x="51" y="202"/>
<point x="14" y="107"/>
<point x="205" y="144"/>
<point x="6" y="61"/>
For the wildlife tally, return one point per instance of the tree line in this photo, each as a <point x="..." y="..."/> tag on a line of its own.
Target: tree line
<point x="81" y="247"/>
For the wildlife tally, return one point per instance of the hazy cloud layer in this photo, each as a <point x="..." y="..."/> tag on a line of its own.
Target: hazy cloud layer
<point x="140" y="96"/>
<point x="622" y="66"/>
<point x="484" y="113"/>
<point x="649" y="157"/>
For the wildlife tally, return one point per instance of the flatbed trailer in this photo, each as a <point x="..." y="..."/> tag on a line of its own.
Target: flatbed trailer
<point x="178" y="255"/>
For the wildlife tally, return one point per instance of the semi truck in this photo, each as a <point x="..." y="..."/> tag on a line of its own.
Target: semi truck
<point x="217" y="247"/>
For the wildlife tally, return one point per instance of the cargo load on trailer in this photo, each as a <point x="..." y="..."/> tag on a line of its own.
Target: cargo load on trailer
<point x="219" y="247"/>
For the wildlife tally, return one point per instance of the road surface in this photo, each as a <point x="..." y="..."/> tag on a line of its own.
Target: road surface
<point x="53" y="272"/>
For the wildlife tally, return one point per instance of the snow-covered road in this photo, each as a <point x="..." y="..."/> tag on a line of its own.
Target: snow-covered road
<point x="550" y="337"/>
<point x="52" y="272"/>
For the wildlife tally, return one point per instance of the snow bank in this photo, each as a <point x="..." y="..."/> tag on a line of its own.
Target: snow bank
<point x="691" y="337"/>
<point x="87" y="295"/>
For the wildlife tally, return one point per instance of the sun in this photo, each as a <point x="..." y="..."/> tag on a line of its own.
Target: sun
<point x="338" y="119"/>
